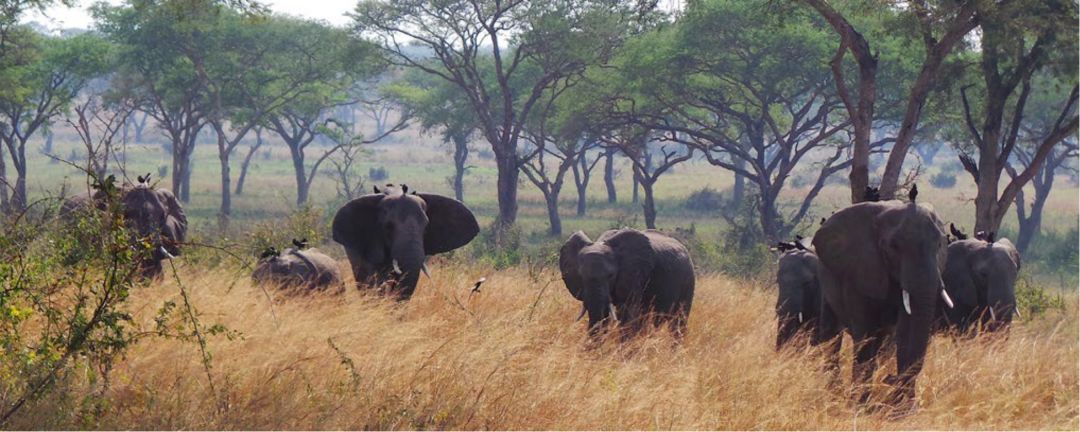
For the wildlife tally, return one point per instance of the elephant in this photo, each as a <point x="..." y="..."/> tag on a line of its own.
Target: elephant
<point x="387" y="235"/>
<point x="880" y="269"/>
<point x="295" y="267"/>
<point x="153" y="216"/>
<point x="980" y="277"/>
<point x="798" y="302"/>
<point x="630" y="274"/>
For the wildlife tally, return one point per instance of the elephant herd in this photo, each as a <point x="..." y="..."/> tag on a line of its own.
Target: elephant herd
<point x="878" y="270"/>
<point x="885" y="271"/>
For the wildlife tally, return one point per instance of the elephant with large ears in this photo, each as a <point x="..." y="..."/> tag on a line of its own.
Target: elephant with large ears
<point x="388" y="235"/>
<point x="798" y="301"/>
<point x="155" y="214"/>
<point x="980" y="277"/>
<point x="880" y="269"/>
<point x="632" y="274"/>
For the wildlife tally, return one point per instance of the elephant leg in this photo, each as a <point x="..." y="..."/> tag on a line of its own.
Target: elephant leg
<point x="828" y="332"/>
<point x="867" y="346"/>
<point x="631" y="319"/>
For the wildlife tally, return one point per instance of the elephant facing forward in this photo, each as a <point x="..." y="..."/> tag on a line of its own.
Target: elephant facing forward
<point x="880" y="271"/>
<point x="631" y="274"/>
<point x="980" y="277"/>
<point x="389" y="234"/>
<point x="798" y="301"/>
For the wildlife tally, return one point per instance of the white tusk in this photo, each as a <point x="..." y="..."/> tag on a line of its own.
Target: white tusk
<point x="423" y="268"/>
<point x="800" y="318"/>
<point x="907" y="302"/>
<point x="581" y="314"/>
<point x="614" y="316"/>
<point x="992" y="316"/>
<point x="167" y="254"/>
<point x="1017" y="310"/>
<point x="948" y="300"/>
<point x="397" y="270"/>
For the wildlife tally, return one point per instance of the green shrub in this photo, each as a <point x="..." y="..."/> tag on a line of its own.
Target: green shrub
<point x="1033" y="301"/>
<point x="705" y="200"/>
<point x="943" y="180"/>
<point x="304" y="223"/>
<point x="378" y="173"/>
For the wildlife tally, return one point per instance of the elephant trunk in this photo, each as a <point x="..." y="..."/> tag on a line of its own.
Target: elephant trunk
<point x="598" y="305"/>
<point x="1000" y="303"/>
<point x="789" y="313"/>
<point x="407" y="259"/>
<point x="922" y="285"/>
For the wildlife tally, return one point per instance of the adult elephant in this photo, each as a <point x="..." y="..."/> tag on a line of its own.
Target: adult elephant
<point x="307" y="269"/>
<point x="880" y="269"/>
<point x="633" y="274"/>
<point x="388" y="235"/>
<point x="980" y="277"/>
<point x="153" y="217"/>
<point x="798" y="301"/>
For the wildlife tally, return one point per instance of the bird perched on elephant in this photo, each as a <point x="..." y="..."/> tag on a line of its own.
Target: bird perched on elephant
<point x="153" y="217"/>
<point x="388" y="235"/>
<point x="798" y="301"/>
<point x="880" y="269"/>
<point x="980" y="277"/>
<point x="294" y="267"/>
<point x="629" y="275"/>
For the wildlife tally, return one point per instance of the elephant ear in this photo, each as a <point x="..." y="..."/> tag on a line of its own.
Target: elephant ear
<point x="635" y="256"/>
<point x="355" y="225"/>
<point x="450" y="224"/>
<point x="1013" y="254"/>
<point x="176" y="222"/>
<point x="848" y="248"/>
<point x="568" y="264"/>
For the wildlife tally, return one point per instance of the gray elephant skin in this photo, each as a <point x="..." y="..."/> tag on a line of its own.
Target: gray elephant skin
<point x="880" y="270"/>
<point x="640" y="273"/>
<point x="798" y="301"/>
<point x="980" y="277"/>
<point x="388" y="235"/>
<point x="307" y="269"/>
<point x="150" y="214"/>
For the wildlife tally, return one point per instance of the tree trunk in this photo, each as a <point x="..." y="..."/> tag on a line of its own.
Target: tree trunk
<point x="609" y="175"/>
<point x="554" y="223"/>
<point x="637" y="182"/>
<point x="185" y="191"/>
<point x="299" y="174"/>
<point x="140" y="125"/>
<point x="4" y="201"/>
<point x="507" y="187"/>
<point x="581" y="180"/>
<point x="649" y="207"/>
<point x="461" y="155"/>
<point x="247" y="162"/>
<point x="49" y="142"/>
<point x="738" y="189"/>
<point x="226" y="190"/>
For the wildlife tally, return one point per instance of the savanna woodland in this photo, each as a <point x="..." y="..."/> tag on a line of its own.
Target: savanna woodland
<point x="219" y="216"/>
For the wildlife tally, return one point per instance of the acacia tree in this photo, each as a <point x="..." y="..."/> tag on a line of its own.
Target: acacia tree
<point x="639" y="145"/>
<point x="1018" y="42"/>
<point x="456" y="41"/>
<point x="436" y="104"/>
<point x="55" y="70"/>
<point x="1030" y="221"/>
<point x="762" y="110"/>
<point x="97" y="122"/>
<point x="938" y="28"/>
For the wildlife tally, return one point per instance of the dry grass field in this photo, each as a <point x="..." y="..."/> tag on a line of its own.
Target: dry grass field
<point x="511" y="357"/>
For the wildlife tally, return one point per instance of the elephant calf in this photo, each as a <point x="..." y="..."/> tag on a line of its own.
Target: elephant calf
<point x="308" y="269"/>
<point x="798" y="302"/>
<point x="980" y="277"/>
<point x="630" y="274"/>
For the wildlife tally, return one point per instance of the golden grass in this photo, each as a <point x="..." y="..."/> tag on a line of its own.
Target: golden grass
<point x="510" y="357"/>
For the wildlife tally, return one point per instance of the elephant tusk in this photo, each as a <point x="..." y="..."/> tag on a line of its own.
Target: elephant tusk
<point x="580" y="314"/>
<point x="423" y="268"/>
<point x="992" y="316"/>
<point x="1017" y="311"/>
<point x="948" y="300"/>
<point x="166" y="252"/>
<point x="907" y="302"/>
<point x="800" y="318"/>
<point x="397" y="270"/>
<point x="614" y="316"/>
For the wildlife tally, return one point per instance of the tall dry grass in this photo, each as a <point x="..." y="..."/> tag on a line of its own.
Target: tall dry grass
<point x="511" y="357"/>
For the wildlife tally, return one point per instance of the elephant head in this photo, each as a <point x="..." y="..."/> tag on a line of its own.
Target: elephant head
<point x="980" y="276"/>
<point x="387" y="235"/>
<point x="611" y="271"/>
<point x="798" y="300"/>
<point x="155" y="214"/>
<point x="880" y="265"/>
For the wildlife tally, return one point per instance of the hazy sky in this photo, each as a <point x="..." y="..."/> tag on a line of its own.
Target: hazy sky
<point x="332" y="11"/>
